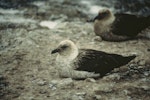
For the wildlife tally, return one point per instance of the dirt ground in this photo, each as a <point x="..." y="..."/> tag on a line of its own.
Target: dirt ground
<point x="27" y="69"/>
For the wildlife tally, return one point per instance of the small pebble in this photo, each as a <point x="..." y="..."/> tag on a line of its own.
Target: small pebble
<point x="90" y="80"/>
<point x="41" y="83"/>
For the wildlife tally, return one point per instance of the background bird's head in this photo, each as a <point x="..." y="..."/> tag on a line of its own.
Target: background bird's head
<point x="66" y="48"/>
<point x="103" y="14"/>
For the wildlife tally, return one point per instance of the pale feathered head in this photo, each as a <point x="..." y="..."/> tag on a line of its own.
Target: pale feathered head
<point x="66" y="48"/>
<point x="103" y="14"/>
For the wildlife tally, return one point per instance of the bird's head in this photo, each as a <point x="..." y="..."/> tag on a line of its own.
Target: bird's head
<point x="103" y="14"/>
<point x="66" y="48"/>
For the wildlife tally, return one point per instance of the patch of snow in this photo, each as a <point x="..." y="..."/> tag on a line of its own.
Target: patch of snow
<point x="10" y="11"/>
<point x="94" y="9"/>
<point x="49" y="24"/>
<point x="15" y="19"/>
<point x="39" y="3"/>
<point x="86" y="2"/>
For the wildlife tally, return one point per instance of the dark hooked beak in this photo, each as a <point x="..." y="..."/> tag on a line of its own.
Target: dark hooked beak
<point x="97" y="17"/>
<point x="93" y="19"/>
<point x="55" y="51"/>
<point x="90" y="20"/>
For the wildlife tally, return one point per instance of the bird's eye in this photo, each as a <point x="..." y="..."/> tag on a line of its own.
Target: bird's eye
<point x="64" y="47"/>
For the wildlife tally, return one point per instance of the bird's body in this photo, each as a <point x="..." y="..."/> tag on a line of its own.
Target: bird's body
<point x="85" y="63"/>
<point x="129" y="25"/>
<point x="99" y="62"/>
<point x="119" y="26"/>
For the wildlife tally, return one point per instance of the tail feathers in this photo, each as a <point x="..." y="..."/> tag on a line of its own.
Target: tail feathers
<point x="145" y="21"/>
<point x="147" y="30"/>
<point x="129" y="58"/>
<point x="126" y="60"/>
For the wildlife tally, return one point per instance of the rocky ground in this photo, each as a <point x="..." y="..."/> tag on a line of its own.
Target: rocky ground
<point x="28" y="33"/>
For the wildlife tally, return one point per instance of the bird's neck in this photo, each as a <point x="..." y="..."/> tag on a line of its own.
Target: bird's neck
<point x="102" y="26"/>
<point x="69" y="56"/>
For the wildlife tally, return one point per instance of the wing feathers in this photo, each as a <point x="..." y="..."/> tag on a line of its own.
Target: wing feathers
<point x="98" y="61"/>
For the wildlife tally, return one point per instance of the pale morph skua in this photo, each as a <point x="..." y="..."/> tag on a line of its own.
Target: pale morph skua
<point x="86" y="63"/>
<point x="120" y="26"/>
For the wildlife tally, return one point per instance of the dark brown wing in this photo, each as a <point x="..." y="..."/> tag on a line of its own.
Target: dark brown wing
<point x="99" y="62"/>
<point x="129" y="25"/>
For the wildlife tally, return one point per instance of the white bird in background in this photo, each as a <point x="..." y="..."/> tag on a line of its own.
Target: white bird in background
<point x="86" y="63"/>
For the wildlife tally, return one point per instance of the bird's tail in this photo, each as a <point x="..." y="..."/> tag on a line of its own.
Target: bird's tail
<point x="126" y="60"/>
<point x="148" y="29"/>
<point x="129" y="58"/>
<point x="145" y="26"/>
<point x="122" y="60"/>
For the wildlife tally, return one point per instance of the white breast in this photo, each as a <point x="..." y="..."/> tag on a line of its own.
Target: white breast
<point x="103" y="26"/>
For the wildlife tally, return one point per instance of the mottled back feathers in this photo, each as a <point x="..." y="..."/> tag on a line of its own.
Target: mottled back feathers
<point x="129" y="25"/>
<point x="100" y="62"/>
